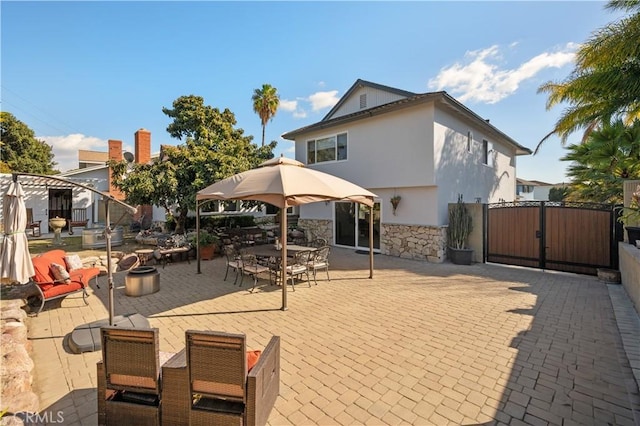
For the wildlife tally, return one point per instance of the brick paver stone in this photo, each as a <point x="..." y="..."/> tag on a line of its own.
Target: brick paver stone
<point x="419" y="343"/>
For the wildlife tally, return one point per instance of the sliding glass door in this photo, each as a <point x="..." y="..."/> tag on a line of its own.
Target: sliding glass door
<point x="352" y="225"/>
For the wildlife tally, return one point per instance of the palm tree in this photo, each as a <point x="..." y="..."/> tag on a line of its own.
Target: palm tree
<point x="599" y="166"/>
<point x="605" y="83"/>
<point x="265" y="104"/>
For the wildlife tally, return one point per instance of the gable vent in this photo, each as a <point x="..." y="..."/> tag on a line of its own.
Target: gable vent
<point x="363" y="101"/>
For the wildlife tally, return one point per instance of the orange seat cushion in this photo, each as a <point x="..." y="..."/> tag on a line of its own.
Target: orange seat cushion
<point x="58" y="289"/>
<point x="252" y="359"/>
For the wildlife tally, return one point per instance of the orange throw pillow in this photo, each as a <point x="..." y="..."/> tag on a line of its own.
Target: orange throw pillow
<point x="252" y="359"/>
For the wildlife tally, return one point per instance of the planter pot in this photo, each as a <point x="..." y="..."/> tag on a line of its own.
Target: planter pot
<point x="57" y="222"/>
<point x="611" y="276"/>
<point x="633" y="232"/>
<point x="460" y="256"/>
<point x="207" y="252"/>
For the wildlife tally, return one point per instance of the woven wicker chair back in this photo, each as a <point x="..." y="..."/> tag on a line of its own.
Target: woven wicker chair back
<point x="217" y="364"/>
<point x="130" y="359"/>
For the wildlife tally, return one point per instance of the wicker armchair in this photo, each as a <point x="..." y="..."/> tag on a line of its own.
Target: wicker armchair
<point x="220" y="391"/>
<point x="129" y="376"/>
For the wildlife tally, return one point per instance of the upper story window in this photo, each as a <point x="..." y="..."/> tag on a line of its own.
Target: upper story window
<point x="485" y="151"/>
<point x="331" y="148"/>
<point x="469" y="140"/>
<point x="363" y="101"/>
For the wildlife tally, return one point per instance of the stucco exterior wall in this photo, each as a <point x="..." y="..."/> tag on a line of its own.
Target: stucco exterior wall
<point x="630" y="272"/>
<point x="392" y="150"/>
<point x="461" y="171"/>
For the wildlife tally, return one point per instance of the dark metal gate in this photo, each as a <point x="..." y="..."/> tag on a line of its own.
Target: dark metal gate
<point x="563" y="236"/>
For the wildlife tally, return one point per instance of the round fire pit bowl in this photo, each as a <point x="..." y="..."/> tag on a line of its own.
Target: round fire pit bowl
<point x="141" y="281"/>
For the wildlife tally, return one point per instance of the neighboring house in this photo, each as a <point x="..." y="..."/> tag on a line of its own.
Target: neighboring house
<point x="534" y="190"/>
<point x="52" y="199"/>
<point x="48" y="199"/>
<point x="426" y="148"/>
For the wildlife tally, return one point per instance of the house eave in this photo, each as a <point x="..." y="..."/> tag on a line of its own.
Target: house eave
<point x="442" y="98"/>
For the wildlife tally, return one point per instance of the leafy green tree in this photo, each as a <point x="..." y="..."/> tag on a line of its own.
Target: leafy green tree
<point x="558" y="193"/>
<point x="605" y="83"/>
<point x="213" y="149"/>
<point x="601" y="164"/>
<point x="265" y="104"/>
<point x="20" y="151"/>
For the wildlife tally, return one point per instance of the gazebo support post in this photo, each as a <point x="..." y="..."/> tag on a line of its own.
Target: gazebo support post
<point x="371" y="241"/>
<point x="283" y="237"/>
<point x="198" y="234"/>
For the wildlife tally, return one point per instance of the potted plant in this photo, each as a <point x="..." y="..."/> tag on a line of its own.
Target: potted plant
<point x="207" y="245"/>
<point x="395" y="200"/>
<point x="460" y="227"/>
<point x="630" y="217"/>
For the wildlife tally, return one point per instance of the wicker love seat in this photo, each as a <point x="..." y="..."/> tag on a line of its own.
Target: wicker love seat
<point x="51" y="285"/>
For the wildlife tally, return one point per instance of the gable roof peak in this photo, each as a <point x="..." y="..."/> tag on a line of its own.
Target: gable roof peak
<point x="360" y="83"/>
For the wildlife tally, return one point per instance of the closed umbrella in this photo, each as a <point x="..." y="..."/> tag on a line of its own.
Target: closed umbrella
<point x="284" y="182"/>
<point x="15" y="261"/>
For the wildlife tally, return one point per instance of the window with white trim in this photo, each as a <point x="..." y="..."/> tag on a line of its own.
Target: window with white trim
<point x="330" y="148"/>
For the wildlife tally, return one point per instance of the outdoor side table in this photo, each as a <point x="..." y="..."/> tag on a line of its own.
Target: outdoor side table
<point x="144" y="255"/>
<point x="142" y="281"/>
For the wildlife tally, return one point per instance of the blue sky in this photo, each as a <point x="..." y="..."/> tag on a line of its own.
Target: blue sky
<point x="80" y="73"/>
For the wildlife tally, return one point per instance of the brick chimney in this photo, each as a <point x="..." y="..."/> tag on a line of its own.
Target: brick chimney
<point x="115" y="153"/>
<point x="143" y="146"/>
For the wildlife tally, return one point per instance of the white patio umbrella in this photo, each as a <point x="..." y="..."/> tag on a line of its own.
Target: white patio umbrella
<point x="15" y="260"/>
<point x="284" y="182"/>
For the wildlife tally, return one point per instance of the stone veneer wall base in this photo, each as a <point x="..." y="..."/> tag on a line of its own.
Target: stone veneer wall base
<point x="317" y="228"/>
<point x="418" y="242"/>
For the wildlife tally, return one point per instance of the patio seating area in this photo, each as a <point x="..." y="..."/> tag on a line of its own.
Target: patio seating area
<point x="420" y="343"/>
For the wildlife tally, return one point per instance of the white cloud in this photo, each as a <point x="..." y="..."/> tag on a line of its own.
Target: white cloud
<point x="65" y="148"/>
<point x="480" y="78"/>
<point x="293" y="107"/>
<point x="287" y="105"/>
<point x="321" y="100"/>
<point x="316" y="102"/>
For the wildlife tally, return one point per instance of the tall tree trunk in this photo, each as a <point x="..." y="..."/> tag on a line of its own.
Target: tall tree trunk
<point x="181" y="221"/>
<point x="263" y="126"/>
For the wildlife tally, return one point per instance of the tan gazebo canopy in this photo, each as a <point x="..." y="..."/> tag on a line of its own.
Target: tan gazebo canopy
<point x="284" y="182"/>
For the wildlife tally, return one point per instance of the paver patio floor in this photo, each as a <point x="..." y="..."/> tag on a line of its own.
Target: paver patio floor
<point x="418" y="344"/>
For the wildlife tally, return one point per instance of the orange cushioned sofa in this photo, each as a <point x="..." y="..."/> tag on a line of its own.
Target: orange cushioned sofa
<point x="51" y="287"/>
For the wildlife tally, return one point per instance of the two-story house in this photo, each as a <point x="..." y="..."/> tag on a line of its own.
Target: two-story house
<point x="425" y="148"/>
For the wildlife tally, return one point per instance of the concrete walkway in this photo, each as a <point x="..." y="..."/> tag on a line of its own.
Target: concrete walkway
<point x="419" y="343"/>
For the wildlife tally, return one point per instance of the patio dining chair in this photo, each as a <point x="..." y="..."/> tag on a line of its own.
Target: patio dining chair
<point x="250" y="266"/>
<point x="318" y="242"/>
<point x="233" y="260"/>
<point x="319" y="260"/>
<point x="298" y="267"/>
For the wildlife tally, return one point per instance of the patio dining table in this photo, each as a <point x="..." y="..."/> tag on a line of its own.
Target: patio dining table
<point x="269" y="250"/>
